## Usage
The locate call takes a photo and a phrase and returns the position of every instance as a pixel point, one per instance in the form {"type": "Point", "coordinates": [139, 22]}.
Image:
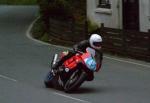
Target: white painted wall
{"type": "Point", "coordinates": [113, 17]}
{"type": "Point", "coordinates": [144, 15]}
{"type": "Point", "coordinates": [110, 17]}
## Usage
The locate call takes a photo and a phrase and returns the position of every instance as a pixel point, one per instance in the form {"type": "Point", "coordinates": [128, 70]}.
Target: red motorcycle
{"type": "Point", "coordinates": [74, 71]}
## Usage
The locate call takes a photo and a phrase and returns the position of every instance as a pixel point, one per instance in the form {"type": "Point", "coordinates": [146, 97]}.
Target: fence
{"type": "Point", "coordinates": [123, 42]}
{"type": "Point", "coordinates": [129, 43]}
{"type": "Point", "coordinates": [67, 30]}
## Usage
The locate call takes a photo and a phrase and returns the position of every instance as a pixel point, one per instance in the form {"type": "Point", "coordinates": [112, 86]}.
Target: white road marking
{"type": "Point", "coordinates": [130, 62]}
{"type": "Point", "coordinates": [29, 35]}
{"type": "Point", "coordinates": [8, 78]}
{"type": "Point", "coordinates": [76, 99]}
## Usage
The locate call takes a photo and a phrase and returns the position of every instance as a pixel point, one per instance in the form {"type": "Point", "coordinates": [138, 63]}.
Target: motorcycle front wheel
{"type": "Point", "coordinates": [75, 81]}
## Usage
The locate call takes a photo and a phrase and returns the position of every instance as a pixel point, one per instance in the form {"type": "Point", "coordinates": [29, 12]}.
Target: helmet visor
{"type": "Point", "coordinates": [97, 44]}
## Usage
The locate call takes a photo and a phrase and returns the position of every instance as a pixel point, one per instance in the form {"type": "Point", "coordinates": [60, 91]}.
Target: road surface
{"type": "Point", "coordinates": [24, 64]}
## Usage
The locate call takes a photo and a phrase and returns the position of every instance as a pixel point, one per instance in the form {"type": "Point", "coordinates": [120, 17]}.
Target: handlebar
{"type": "Point", "coordinates": [80, 52]}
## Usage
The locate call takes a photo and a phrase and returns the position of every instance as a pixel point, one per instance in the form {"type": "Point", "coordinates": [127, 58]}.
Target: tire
{"type": "Point", "coordinates": [48, 80]}
{"type": "Point", "coordinates": [80, 78]}
{"type": "Point", "coordinates": [48, 84]}
{"type": "Point", "coordinates": [53, 83]}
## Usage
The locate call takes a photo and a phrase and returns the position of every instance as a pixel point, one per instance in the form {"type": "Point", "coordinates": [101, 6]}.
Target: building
{"type": "Point", "coordinates": [121, 14]}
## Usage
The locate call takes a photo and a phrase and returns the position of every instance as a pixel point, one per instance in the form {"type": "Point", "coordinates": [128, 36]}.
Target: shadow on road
{"type": "Point", "coordinates": [97, 90]}
{"type": "Point", "coordinates": [86, 90]}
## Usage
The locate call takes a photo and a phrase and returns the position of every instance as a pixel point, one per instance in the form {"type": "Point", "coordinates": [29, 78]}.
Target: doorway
{"type": "Point", "coordinates": [131, 15]}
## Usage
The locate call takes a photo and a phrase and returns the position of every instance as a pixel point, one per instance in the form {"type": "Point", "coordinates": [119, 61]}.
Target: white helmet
{"type": "Point", "coordinates": [95, 41]}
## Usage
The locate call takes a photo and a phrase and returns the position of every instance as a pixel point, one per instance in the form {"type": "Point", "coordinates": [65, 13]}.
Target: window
{"type": "Point", "coordinates": [104, 4]}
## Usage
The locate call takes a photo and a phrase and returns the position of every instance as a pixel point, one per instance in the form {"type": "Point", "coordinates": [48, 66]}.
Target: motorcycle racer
{"type": "Point", "coordinates": [95, 42]}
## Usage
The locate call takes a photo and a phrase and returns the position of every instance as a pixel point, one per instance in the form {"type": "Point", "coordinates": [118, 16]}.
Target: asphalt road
{"type": "Point", "coordinates": [24, 63]}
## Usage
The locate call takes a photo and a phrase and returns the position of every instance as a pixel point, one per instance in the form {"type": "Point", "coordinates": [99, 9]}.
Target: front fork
{"type": "Point", "coordinates": [54, 60]}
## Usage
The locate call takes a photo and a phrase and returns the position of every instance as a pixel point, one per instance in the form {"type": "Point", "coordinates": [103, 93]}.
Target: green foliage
{"type": "Point", "coordinates": [58, 9]}
{"type": "Point", "coordinates": [18, 2]}
{"type": "Point", "coordinates": [64, 9]}
{"type": "Point", "coordinates": [45, 37]}
{"type": "Point", "coordinates": [69, 11]}
{"type": "Point", "coordinates": [38, 29]}
{"type": "Point", "coordinates": [92, 26]}
{"type": "Point", "coordinates": [78, 9]}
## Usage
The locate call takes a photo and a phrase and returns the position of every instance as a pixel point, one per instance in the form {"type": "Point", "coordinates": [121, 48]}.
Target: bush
{"type": "Point", "coordinates": [38, 29]}
{"type": "Point", "coordinates": [45, 37]}
{"type": "Point", "coordinates": [92, 26]}
{"type": "Point", "coordinates": [69, 11]}
{"type": "Point", "coordinates": [18, 2]}
{"type": "Point", "coordinates": [59, 9]}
